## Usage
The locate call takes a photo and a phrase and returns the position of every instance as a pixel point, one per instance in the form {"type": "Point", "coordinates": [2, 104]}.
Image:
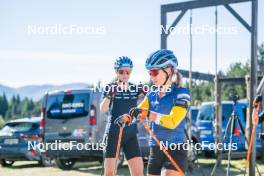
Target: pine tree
{"type": "Point", "coordinates": [4, 105]}
{"type": "Point", "coordinates": [1, 107]}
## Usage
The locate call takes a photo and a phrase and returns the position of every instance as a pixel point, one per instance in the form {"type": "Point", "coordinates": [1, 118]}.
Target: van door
{"type": "Point", "coordinates": [205, 123]}
{"type": "Point", "coordinates": [67, 117]}
{"type": "Point", "coordinates": [227, 110]}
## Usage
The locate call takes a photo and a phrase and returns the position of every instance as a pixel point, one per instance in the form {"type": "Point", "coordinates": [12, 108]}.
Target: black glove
{"type": "Point", "coordinates": [142, 89]}
{"type": "Point", "coordinates": [135, 112]}
{"type": "Point", "coordinates": [123, 120]}
{"type": "Point", "coordinates": [261, 116]}
{"type": "Point", "coordinates": [258, 99]}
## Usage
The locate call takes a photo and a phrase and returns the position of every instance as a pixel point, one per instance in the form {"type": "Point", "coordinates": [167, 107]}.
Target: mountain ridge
{"type": "Point", "coordinates": [35, 92]}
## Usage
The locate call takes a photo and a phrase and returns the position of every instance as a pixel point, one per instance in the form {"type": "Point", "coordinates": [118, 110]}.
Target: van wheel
{"type": "Point", "coordinates": [46, 161]}
{"type": "Point", "coordinates": [193, 153]}
{"type": "Point", "coordinates": [65, 164]}
{"type": "Point", "coordinates": [6, 163]}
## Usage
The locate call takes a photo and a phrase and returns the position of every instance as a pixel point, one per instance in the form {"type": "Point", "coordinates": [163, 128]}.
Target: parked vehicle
{"type": "Point", "coordinates": [194, 129]}
{"type": "Point", "coordinates": [205, 122]}
{"type": "Point", "coordinates": [74, 115]}
{"type": "Point", "coordinates": [195, 136]}
{"type": "Point", "coordinates": [195, 111]}
{"type": "Point", "coordinates": [15, 139]}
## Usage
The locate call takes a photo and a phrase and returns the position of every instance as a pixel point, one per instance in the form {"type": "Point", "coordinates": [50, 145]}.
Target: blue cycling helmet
{"type": "Point", "coordinates": [123, 61]}
{"type": "Point", "coordinates": [161, 59]}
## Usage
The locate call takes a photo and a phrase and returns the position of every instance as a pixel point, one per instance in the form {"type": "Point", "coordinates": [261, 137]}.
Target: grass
{"type": "Point", "coordinates": [94, 168]}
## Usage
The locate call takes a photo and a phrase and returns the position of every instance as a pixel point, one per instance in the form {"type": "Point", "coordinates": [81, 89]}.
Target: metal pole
{"type": "Point", "coordinates": [260, 90]}
{"type": "Point", "coordinates": [190, 81]}
{"type": "Point", "coordinates": [190, 72]}
{"type": "Point", "coordinates": [253, 75]}
{"type": "Point", "coordinates": [216, 28]}
{"type": "Point", "coordinates": [218, 122]}
{"type": "Point", "coordinates": [248, 122]}
{"type": "Point", "coordinates": [163, 36]}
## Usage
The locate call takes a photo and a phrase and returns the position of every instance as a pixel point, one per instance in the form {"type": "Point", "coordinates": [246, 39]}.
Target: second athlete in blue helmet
{"type": "Point", "coordinates": [118, 98]}
{"type": "Point", "coordinates": [166, 110]}
{"type": "Point", "coordinates": [123, 61]}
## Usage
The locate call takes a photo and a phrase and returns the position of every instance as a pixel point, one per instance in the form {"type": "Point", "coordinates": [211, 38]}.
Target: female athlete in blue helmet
{"type": "Point", "coordinates": [118, 98]}
{"type": "Point", "coordinates": [166, 108]}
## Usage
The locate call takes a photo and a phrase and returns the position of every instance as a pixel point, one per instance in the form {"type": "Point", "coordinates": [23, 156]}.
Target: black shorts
{"type": "Point", "coordinates": [129, 145]}
{"type": "Point", "coordinates": [158, 160]}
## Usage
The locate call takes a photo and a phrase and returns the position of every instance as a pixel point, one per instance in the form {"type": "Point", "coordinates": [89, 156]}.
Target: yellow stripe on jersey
{"type": "Point", "coordinates": [144, 104]}
{"type": "Point", "coordinates": [175, 117]}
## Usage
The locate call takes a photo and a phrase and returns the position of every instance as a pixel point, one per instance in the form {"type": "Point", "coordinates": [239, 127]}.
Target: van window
{"type": "Point", "coordinates": [194, 114]}
{"type": "Point", "coordinates": [227, 111]}
{"type": "Point", "coordinates": [244, 110]}
{"type": "Point", "coordinates": [206, 112]}
{"type": "Point", "coordinates": [67, 106]}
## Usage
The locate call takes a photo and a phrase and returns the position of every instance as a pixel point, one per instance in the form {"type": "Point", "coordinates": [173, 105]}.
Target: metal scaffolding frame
{"type": "Point", "coordinates": [183, 7]}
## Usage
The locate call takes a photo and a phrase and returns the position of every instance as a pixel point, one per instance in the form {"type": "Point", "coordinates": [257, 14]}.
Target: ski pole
{"type": "Point", "coordinates": [252, 137]}
{"type": "Point", "coordinates": [163, 149]}
{"type": "Point", "coordinates": [118, 146]}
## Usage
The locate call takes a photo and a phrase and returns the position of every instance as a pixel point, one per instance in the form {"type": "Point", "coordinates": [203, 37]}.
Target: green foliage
{"type": "Point", "coordinates": [235, 70]}
{"type": "Point", "coordinates": [2, 122]}
{"type": "Point", "coordinates": [201, 91]}
{"type": "Point", "coordinates": [3, 105]}
{"type": "Point", "coordinates": [204, 91]}
{"type": "Point", "coordinates": [261, 60]}
{"type": "Point", "coordinates": [17, 108]}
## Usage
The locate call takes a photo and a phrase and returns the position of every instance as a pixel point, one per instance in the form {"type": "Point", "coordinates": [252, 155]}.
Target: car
{"type": "Point", "coordinates": [195, 136]}
{"type": "Point", "coordinates": [17, 139]}
{"type": "Point", "coordinates": [205, 120]}
{"type": "Point", "coordinates": [194, 129]}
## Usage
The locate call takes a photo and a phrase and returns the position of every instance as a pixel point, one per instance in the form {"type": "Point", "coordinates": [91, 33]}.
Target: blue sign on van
{"type": "Point", "coordinates": [55, 112]}
{"type": "Point", "coordinates": [73, 108]}
{"type": "Point", "coordinates": [72, 111]}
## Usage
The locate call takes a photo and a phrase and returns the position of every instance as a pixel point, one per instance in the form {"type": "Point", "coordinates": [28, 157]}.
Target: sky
{"type": "Point", "coordinates": [66, 41]}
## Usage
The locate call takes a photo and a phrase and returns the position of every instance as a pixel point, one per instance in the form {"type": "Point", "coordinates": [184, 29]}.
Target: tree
{"type": "Point", "coordinates": [261, 60]}
{"type": "Point", "coordinates": [237, 69]}
{"type": "Point", "coordinates": [4, 105]}
{"type": "Point", "coordinates": [17, 99]}
{"type": "Point", "coordinates": [18, 108]}
{"type": "Point", "coordinates": [2, 122]}
{"type": "Point", "coordinates": [1, 108]}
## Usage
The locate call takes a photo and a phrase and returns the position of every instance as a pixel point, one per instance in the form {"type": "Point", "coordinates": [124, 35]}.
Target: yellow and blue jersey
{"type": "Point", "coordinates": [171, 110]}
